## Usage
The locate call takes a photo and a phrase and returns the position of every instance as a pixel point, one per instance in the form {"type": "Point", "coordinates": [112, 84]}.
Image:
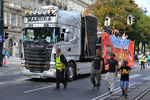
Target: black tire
{"type": "Point", "coordinates": [70, 71]}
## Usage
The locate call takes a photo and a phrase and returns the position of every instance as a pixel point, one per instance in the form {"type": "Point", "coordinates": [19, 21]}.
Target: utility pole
{"type": "Point", "coordinates": [1, 31]}
{"type": "Point", "coordinates": [92, 8]}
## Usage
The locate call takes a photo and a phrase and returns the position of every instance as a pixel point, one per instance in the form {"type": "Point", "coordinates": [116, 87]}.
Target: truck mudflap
{"type": "Point", "coordinates": [51, 73]}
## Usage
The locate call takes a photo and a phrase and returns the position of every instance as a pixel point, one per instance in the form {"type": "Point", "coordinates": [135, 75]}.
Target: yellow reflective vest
{"type": "Point", "coordinates": [58, 62]}
{"type": "Point", "coordinates": [143, 58]}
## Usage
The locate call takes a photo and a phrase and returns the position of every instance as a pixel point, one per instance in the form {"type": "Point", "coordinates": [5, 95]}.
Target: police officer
{"type": "Point", "coordinates": [142, 59]}
{"type": "Point", "coordinates": [60, 68]}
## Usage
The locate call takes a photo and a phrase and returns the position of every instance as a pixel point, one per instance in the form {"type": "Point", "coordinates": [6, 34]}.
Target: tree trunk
{"type": "Point", "coordinates": [138, 48]}
{"type": "Point", "coordinates": [144, 48]}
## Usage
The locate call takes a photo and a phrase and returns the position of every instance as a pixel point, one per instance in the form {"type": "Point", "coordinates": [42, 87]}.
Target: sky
{"type": "Point", "coordinates": [144, 4]}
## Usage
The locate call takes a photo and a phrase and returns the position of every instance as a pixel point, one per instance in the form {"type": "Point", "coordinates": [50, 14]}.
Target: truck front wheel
{"type": "Point", "coordinates": [70, 71]}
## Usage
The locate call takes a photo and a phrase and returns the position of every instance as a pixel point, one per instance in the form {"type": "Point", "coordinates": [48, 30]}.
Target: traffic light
{"type": "Point", "coordinates": [130, 20]}
{"type": "Point", "coordinates": [6, 35]}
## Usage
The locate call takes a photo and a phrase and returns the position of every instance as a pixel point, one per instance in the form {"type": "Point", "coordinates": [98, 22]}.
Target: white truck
{"type": "Point", "coordinates": [46, 30]}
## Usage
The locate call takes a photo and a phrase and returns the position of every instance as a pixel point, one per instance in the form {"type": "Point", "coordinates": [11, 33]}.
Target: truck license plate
{"type": "Point", "coordinates": [35, 76]}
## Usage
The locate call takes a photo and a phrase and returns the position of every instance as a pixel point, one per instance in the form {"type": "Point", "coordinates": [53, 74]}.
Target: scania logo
{"type": "Point", "coordinates": [36, 46]}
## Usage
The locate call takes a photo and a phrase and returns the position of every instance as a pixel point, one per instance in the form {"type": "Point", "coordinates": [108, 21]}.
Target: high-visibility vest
{"type": "Point", "coordinates": [58, 62]}
{"type": "Point", "coordinates": [143, 58]}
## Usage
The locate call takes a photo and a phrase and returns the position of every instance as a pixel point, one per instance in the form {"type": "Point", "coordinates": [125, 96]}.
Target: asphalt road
{"type": "Point", "coordinates": [17, 87]}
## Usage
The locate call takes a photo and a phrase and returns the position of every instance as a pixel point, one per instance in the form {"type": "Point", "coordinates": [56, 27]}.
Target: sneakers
{"type": "Point", "coordinates": [110, 92]}
{"type": "Point", "coordinates": [65, 86]}
{"type": "Point", "coordinates": [56, 88]}
{"type": "Point", "coordinates": [123, 92]}
{"type": "Point", "coordinates": [125, 96]}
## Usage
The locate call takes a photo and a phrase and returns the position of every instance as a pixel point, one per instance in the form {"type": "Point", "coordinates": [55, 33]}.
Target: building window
{"type": "Point", "coordinates": [65, 2]}
{"type": "Point", "coordinates": [22, 21]}
{"type": "Point", "coordinates": [32, 4]}
{"type": "Point", "coordinates": [13, 20]}
{"type": "Point", "coordinates": [12, 1]}
{"type": "Point", "coordinates": [5, 18]}
{"type": "Point", "coordinates": [39, 4]}
{"type": "Point", "coordinates": [23, 5]}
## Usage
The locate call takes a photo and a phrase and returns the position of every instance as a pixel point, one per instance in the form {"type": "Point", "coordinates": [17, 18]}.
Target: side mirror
{"type": "Point", "coordinates": [66, 37]}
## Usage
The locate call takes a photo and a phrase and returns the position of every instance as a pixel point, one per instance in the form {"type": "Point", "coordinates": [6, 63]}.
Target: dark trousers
{"type": "Point", "coordinates": [142, 65]}
{"type": "Point", "coordinates": [60, 78]}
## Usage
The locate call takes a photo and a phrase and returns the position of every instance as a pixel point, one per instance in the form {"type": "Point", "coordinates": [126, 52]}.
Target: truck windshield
{"type": "Point", "coordinates": [49, 35]}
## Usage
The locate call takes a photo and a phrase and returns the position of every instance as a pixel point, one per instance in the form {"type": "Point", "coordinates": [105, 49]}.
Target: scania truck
{"type": "Point", "coordinates": [46, 30]}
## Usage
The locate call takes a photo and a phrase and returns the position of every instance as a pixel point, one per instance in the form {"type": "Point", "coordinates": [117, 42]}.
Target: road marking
{"type": "Point", "coordinates": [13, 81]}
{"type": "Point", "coordinates": [114, 92]}
{"type": "Point", "coordinates": [146, 78]}
{"type": "Point", "coordinates": [106, 95]}
{"type": "Point", "coordinates": [134, 75]}
{"type": "Point", "coordinates": [33, 90]}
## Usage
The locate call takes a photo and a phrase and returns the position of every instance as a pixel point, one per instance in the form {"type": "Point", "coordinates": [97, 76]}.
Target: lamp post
{"type": "Point", "coordinates": [1, 31]}
{"type": "Point", "coordinates": [92, 8]}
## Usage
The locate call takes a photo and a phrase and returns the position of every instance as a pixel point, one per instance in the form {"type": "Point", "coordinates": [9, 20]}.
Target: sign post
{"type": "Point", "coordinates": [1, 31]}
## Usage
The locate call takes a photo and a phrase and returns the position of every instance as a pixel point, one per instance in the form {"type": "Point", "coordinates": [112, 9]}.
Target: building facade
{"type": "Point", "coordinates": [14, 11]}
{"type": "Point", "coordinates": [79, 5]}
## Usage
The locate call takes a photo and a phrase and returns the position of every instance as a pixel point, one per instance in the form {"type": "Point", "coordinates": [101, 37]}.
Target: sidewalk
{"type": "Point", "coordinates": [13, 67]}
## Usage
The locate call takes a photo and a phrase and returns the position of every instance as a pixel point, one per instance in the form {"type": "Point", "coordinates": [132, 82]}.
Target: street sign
{"type": "Point", "coordinates": [4, 39]}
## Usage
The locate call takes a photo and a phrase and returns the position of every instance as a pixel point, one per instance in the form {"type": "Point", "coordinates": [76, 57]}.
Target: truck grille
{"type": "Point", "coordinates": [37, 60]}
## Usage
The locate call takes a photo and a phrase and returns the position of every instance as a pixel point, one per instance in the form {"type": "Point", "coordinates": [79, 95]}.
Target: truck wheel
{"type": "Point", "coordinates": [70, 71]}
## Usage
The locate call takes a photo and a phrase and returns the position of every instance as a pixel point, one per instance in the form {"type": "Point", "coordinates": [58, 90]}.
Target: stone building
{"type": "Point", "coordinates": [14, 11]}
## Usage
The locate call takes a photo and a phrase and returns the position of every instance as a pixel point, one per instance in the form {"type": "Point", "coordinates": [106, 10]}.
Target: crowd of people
{"type": "Point", "coordinates": [114, 32]}
{"type": "Point", "coordinates": [143, 60]}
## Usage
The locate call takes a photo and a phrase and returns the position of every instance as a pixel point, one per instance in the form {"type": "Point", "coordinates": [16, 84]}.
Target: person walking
{"type": "Point", "coordinates": [142, 59]}
{"type": "Point", "coordinates": [96, 69]}
{"type": "Point", "coordinates": [124, 80]}
{"type": "Point", "coordinates": [148, 60]}
{"type": "Point", "coordinates": [6, 56]}
{"type": "Point", "coordinates": [112, 72]}
{"type": "Point", "coordinates": [60, 69]}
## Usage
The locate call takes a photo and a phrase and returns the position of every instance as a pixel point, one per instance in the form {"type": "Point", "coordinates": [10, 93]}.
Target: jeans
{"type": "Point", "coordinates": [148, 62]}
{"type": "Point", "coordinates": [60, 78]}
{"type": "Point", "coordinates": [95, 73]}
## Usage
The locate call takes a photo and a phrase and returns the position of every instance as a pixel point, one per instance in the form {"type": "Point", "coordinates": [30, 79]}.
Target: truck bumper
{"type": "Point", "coordinates": [51, 73]}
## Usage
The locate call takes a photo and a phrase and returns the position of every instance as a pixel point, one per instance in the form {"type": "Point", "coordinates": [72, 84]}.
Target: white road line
{"type": "Point", "coordinates": [107, 93]}
{"type": "Point", "coordinates": [39, 89]}
{"type": "Point", "coordinates": [146, 78]}
{"type": "Point", "coordinates": [13, 81]}
{"type": "Point", "coordinates": [114, 92]}
{"type": "Point", "coordinates": [135, 75]}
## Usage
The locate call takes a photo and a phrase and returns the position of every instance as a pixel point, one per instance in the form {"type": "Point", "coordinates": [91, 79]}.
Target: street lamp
{"type": "Point", "coordinates": [92, 8]}
{"type": "Point", "coordinates": [1, 31]}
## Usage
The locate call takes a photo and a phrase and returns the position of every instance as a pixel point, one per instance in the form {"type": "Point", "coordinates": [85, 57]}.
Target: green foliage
{"type": "Point", "coordinates": [118, 10]}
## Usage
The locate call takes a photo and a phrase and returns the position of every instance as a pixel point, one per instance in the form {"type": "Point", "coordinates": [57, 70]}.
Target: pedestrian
{"type": "Point", "coordinates": [60, 69]}
{"type": "Point", "coordinates": [148, 60]}
{"type": "Point", "coordinates": [96, 69]}
{"type": "Point", "coordinates": [6, 56]}
{"type": "Point", "coordinates": [112, 72]}
{"type": "Point", "coordinates": [124, 80]}
{"type": "Point", "coordinates": [142, 59]}
{"type": "Point", "coordinates": [114, 31]}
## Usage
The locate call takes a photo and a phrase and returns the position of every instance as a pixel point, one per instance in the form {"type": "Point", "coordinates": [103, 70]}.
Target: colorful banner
{"type": "Point", "coordinates": [122, 48]}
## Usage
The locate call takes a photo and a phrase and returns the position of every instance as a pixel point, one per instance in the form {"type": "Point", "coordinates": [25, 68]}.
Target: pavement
{"type": "Point", "coordinates": [136, 91]}
{"type": "Point", "coordinates": [14, 64]}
